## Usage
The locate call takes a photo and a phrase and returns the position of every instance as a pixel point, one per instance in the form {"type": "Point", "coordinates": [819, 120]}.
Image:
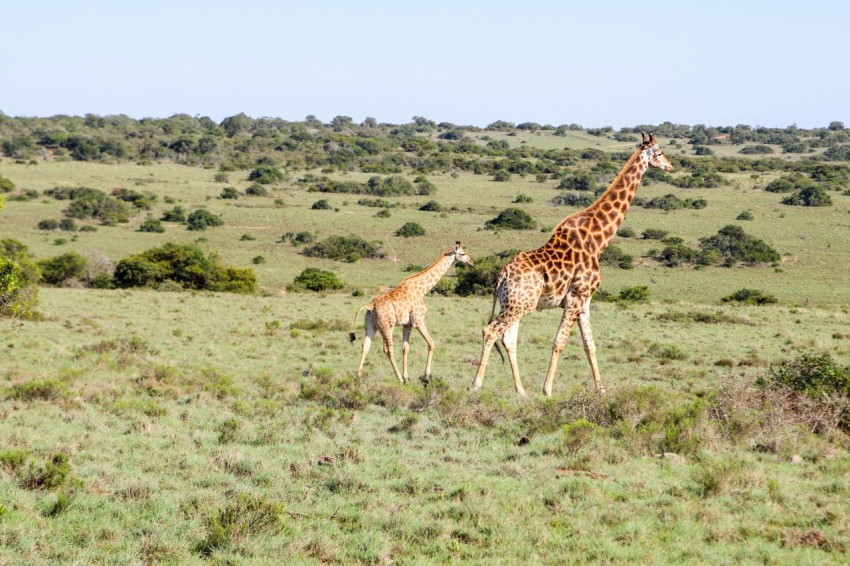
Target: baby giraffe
{"type": "Point", "coordinates": [405, 306]}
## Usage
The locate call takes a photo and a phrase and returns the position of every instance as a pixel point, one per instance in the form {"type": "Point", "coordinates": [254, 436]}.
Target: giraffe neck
{"type": "Point", "coordinates": [609, 210]}
{"type": "Point", "coordinates": [430, 276]}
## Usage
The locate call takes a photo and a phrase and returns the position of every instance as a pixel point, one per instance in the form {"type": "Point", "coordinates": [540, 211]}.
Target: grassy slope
{"type": "Point", "coordinates": [150, 463]}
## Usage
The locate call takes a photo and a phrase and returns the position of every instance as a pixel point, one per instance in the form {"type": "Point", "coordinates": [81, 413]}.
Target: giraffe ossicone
{"type": "Point", "coordinates": [564, 273]}
{"type": "Point", "coordinates": [405, 306]}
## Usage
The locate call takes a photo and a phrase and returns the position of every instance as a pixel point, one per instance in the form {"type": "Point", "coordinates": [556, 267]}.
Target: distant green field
{"type": "Point", "coordinates": [146, 427]}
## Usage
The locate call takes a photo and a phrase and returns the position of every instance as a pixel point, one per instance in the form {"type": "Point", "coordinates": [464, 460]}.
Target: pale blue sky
{"type": "Point", "coordinates": [595, 63]}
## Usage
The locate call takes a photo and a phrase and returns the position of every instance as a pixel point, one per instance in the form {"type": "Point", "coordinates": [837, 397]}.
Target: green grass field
{"type": "Point", "coordinates": [198, 427]}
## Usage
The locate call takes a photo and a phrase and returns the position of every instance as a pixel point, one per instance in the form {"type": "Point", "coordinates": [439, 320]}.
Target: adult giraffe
{"type": "Point", "coordinates": [565, 272]}
{"type": "Point", "coordinates": [405, 306]}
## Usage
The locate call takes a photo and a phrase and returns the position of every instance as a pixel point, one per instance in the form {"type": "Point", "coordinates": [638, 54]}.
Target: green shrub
{"type": "Point", "coordinates": [502, 176]}
{"type": "Point", "coordinates": [756, 149]}
{"type": "Point", "coordinates": [203, 218]}
{"type": "Point", "coordinates": [480, 279]}
{"type": "Point", "coordinates": [13, 460]}
{"type": "Point", "coordinates": [186, 265]}
{"type": "Point", "coordinates": [675, 255]}
{"type": "Point", "coordinates": [249, 516]}
{"type": "Point", "coordinates": [615, 256]}
{"type": "Point", "coordinates": [712, 477]}
{"type": "Point", "coordinates": [811, 196]}
{"type": "Point", "coordinates": [229, 193]}
{"type": "Point", "coordinates": [626, 232]}
{"type": "Point", "coordinates": [266, 175]}
{"type": "Point", "coordinates": [348, 248]}
{"type": "Point", "coordinates": [48, 224]}
{"type": "Point", "coordinates": [750, 297]}
{"type": "Point", "coordinates": [322, 204]}
{"type": "Point", "coordinates": [432, 206]}
{"type": "Point", "coordinates": [19, 277]}
{"type": "Point", "coordinates": [6, 185]}
{"type": "Point", "coordinates": [637, 294]}
{"type": "Point", "coordinates": [383, 213]}
{"type": "Point", "coordinates": [813, 374]}
{"type": "Point", "coordinates": [512, 219]}
{"type": "Point", "coordinates": [48, 476]}
{"type": "Point", "coordinates": [256, 190]}
{"type": "Point", "coordinates": [672, 202]}
{"type": "Point", "coordinates": [522, 199]}
{"type": "Point", "coordinates": [91, 203]}
{"type": "Point", "coordinates": [654, 234]}
{"type": "Point", "coordinates": [574, 199]}
{"type": "Point", "coordinates": [734, 245]}
{"type": "Point", "coordinates": [61, 268]}
{"type": "Point", "coordinates": [176, 214]}
{"type": "Point", "coordinates": [745, 215]}
{"type": "Point", "coordinates": [788, 183]}
{"type": "Point", "coordinates": [381, 203]}
{"type": "Point", "coordinates": [666, 352]}
{"type": "Point", "coordinates": [228, 430]}
{"type": "Point", "coordinates": [315, 279]}
{"type": "Point", "coordinates": [410, 230]}
{"type": "Point", "coordinates": [62, 503]}
{"type": "Point", "coordinates": [152, 225]}
{"type": "Point", "coordinates": [581, 181]}
{"type": "Point", "coordinates": [577, 434]}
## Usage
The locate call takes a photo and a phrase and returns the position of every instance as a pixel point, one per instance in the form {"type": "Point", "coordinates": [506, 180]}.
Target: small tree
{"type": "Point", "coordinates": [512, 219]}
{"type": "Point", "coordinates": [750, 297]}
{"type": "Point", "coordinates": [19, 276]}
{"type": "Point", "coordinates": [810, 196]}
{"type": "Point", "coordinates": [229, 193]}
{"type": "Point", "coordinates": [410, 230]}
{"type": "Point", "coordinates": [59, 269]}
{"type": "Point", "coordinates": [266, 175]}
{"type": "Point", "coordinates": [202, 218]}
{"type": "Point", "coordinates": [256, 190]}
{"type": "Point", "coordinates": [176, 214]}
{"type": "Point", "coordinates": [322, 204]}
{"type": "Point", "coordinates": [314, 279]}
{"type": "Point", "coordinates": [151, 225]}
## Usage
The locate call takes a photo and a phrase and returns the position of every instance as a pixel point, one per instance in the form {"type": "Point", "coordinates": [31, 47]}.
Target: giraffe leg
{"type": "Point", "coordinates": [510, 342]}
{"type": "Point", "coordinates": [423, 330]}
{"type": "Point", "coordinates": [492, 332]}
{"type": "Point", "coordinates": [405, 348]}
{"type": "Point", "coordinates": [367, 340]}
{"type": "Point", "coordinates": [388, 350]}
{"type": "Point", "coordinates": [590, 346]}
{"type": "Point", "coordinates": [571, 314]}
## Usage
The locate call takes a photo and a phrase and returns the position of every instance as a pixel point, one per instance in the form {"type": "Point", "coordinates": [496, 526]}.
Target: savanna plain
{"type": "Point", "coordinates": [169, 425]}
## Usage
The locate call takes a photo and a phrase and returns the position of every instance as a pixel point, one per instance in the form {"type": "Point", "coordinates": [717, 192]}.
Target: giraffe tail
{"type": "Point", "coordinates": [351, 335]}
{"type": "Point", "coordinates": [492, 315]}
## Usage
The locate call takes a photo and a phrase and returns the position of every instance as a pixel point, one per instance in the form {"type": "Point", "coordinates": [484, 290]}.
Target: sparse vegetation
{"type": "Point", "coordinates": [201, 427]}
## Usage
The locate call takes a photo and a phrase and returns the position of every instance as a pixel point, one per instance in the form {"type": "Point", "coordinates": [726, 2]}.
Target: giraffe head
{"type": "Point", "coordinates": [459, 254]}
{"type": "Point", "coordinates": [655, 155]}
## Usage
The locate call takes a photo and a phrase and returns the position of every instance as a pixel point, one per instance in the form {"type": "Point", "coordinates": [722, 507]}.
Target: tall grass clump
{"type": "Point", "coordinates": [248, 516]}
